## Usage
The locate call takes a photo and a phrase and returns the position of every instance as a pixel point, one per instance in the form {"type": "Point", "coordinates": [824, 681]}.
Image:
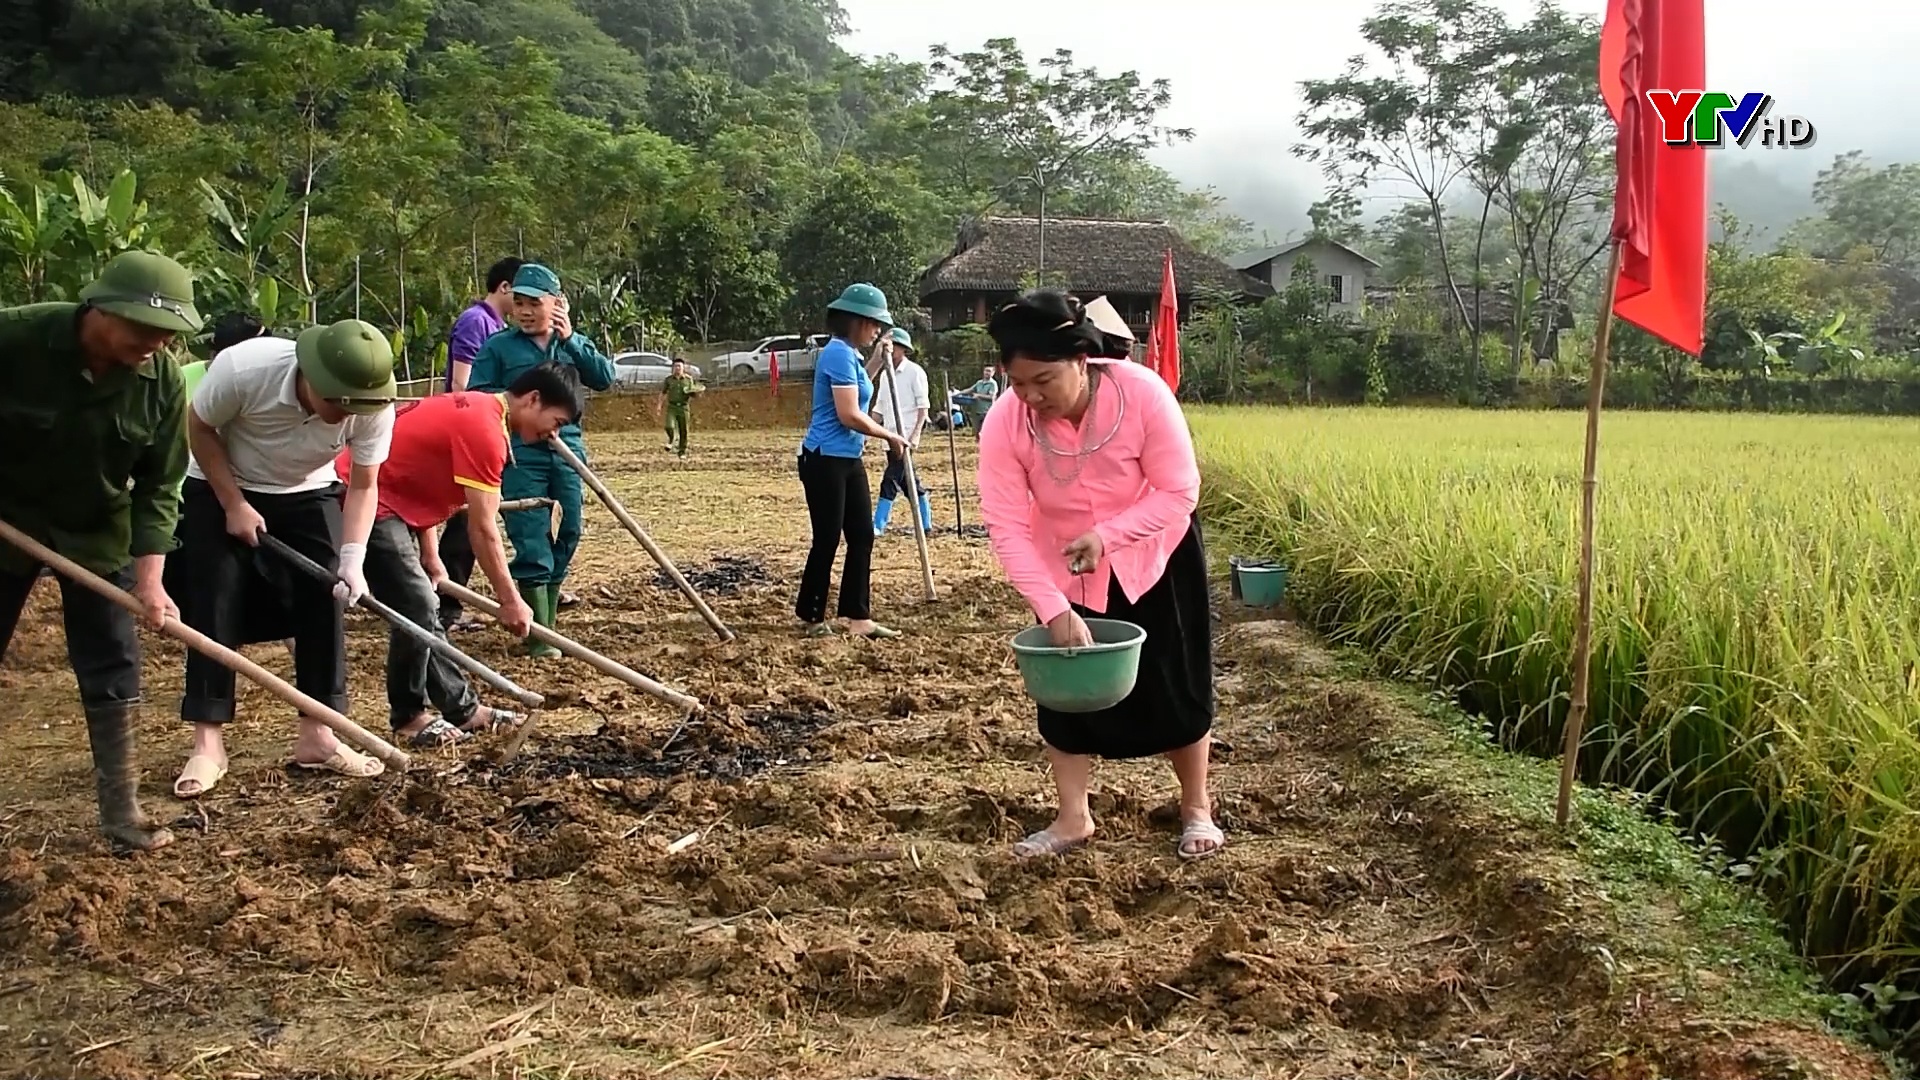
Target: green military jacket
{"type": "Point", "coordinates": [680, 390]}
{"type": "Point", "coordinates": [91, 468]}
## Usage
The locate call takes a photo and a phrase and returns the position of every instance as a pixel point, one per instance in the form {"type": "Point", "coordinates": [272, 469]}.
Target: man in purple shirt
{"type": "Point", "coordinates": [485, 318]}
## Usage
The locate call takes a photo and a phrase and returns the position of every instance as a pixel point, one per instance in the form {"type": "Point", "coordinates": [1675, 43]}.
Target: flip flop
{"type": "Point", "coordinates": [1046, 842]}
{"type": "Point", "coordinates": [820, 630]}
{"type": "Point", "coordinates": [1199, 831]}
{"type": "Point", "coordinates": [439, 732]}
{"type": "Point", "coordinates": [881, 633]}
{"type": "Point", "coordinates": [200, 769]}
{"type": "Point", "coordinates": [497, 719]}
{"type": "Point", "coordinates": [346, 762]}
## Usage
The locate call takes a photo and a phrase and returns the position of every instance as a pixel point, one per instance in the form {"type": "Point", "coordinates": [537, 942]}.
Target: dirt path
{"type": "Point", "coordinates": [849, 910]}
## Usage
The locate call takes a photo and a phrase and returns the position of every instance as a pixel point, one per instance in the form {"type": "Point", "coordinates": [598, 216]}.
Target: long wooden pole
{"type": "Point", "coordinates": [366, 740]}
{"type": "Point", "coordinates": [640, 534]}
{"type": "Point", "coordinates": [509, 506]}
{"type": "Point", "coordinates": [913, 482]}
{"type": "Point", "coordinates": [1589, 483]}
{"type": "Point", "coordinates": [579, 652]}
{"type": "Point", "coordinates": [953, 454]}
{"type": "Point", "coordinates": [427, 639]}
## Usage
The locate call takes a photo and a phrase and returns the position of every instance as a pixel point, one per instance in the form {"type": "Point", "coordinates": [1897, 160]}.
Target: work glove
{"type": "Point", "coordinates": [353, 579]}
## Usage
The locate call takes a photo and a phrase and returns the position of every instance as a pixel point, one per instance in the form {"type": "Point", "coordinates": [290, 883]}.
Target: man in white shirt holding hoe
{"type": "Point", "coordinates": [909, 420]}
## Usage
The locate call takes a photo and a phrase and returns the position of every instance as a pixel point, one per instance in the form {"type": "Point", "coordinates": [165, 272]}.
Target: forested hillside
{"type": "Point", "coordinates": [704, 166]}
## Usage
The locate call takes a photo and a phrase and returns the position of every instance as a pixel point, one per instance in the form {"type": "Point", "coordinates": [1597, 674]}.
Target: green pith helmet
{"type": "Point", "coordinates": [349, 364]}
{"type": "Point", "coordinates": [150, 289]}
{"type": "Point", "coordinates": [902, 338]}
{"type": "Point", "coordinates": [863, 300]}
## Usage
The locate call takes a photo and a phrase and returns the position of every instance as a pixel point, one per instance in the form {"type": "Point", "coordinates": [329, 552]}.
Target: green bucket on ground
{"type": "Point", "coordinates": [1260, 583]}
{"type": "Point", "coordinates": [1082, 680]}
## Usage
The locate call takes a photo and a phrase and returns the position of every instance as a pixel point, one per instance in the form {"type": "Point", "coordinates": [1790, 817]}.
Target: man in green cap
{"type": "Point", "coordinates": [91, 455]}
{"type": "Point", "coordinates": [677, 392]}
{"type": "Point", "coordinates": [265, 425]}
{"type": "Point", "coordinates": [542, 331]}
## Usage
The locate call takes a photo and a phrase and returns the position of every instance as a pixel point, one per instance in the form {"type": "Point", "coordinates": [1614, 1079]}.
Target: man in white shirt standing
{"type": "Point", "coordinates": [909, 420]}
{"type": "Point", "coordinates": [264, 427]}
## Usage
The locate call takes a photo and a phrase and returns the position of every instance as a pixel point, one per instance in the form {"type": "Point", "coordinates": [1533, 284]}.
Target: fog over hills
{"type": "Point", "coordinates": [1236, 66]}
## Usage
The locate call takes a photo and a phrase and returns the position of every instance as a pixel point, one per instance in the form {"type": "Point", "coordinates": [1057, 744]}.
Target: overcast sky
{"type": "Point", "coordinates": [1847, 65]}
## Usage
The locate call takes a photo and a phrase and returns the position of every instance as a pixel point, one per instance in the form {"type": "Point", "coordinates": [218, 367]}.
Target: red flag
{"type": "Point", "coordinates": [1660, 194]}
{"type": "Point", "coordinates": [1163, 339]}
{"type": "Point", "coordinates": [773, 372]}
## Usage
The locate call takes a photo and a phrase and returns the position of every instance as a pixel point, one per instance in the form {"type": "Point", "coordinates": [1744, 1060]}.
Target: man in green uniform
{"type": "Point", "coordinates": [542, 331]}
{"type": "Point", "coordinates": [93, 447]}
{"type": "Point", "coordinates": [678, 391]}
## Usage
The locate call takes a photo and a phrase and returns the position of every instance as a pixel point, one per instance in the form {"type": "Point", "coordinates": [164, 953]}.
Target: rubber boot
{"type": "Point", "coordinates": [116, 781]}
{"type": "Point", "coordinates": [540, 599]}
{"type": "Point", "coordinates": [926, 513]}
{"type": "Point", "coordinates": [882, 512]}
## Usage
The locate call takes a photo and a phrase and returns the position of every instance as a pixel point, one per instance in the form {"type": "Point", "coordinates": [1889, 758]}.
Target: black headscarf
{"type": "Point", "coordinates": [1047, 324]}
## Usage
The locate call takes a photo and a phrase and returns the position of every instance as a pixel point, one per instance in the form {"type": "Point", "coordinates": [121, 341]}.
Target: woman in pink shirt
{"type": "Point", "coordinates": [1086, 464]}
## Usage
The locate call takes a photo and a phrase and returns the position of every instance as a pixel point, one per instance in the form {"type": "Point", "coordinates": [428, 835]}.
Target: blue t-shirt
{"type": "Point", "coordinates": [839, 365]}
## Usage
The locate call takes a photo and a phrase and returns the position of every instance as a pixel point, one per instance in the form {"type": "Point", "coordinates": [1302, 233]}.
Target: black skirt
{"type": "Point", "coordinates": [1172, 702]}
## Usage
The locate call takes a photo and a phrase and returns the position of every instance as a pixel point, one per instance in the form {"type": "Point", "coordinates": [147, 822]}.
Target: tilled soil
{"type": "Point", "coordinates": [812, 880]}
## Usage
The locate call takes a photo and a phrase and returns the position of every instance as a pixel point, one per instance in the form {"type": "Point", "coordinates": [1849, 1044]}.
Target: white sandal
{"type": "Point", "coordinates": [1202, 829]}
{"type": "Point", "coordinates": [346, 762]}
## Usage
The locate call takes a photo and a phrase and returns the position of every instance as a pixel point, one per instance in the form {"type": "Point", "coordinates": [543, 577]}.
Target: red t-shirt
{"type": "Point", "coordinates": [442, 446]}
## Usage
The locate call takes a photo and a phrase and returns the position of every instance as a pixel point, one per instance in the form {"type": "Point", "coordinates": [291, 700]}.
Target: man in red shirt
{"type": "Point", "coordinates": [448, 452]}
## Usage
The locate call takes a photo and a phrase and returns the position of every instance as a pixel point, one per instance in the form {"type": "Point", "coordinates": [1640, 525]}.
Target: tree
{"type": "Point", "coordinates": [853, 232]}
{"type": "Point", "coordinates": [1004, 132]}
{"type": "Point", "coordinates": [1404, 125]}
{"type": "Point", "coordinates": [1875, 210]}
{"type": "Point", "coordinates": [700, 268]}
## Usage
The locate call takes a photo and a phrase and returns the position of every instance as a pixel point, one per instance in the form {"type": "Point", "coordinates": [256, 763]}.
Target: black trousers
{"type": "Point", "coordinates": [237, 595]}
{"type": "Point", "coordinates": [102, 643]}
{"type": "Point", "coordinates": [415, 673]}
{"type": "Point", "coordinates": [893, 482]}
{"type": "Point", "coordinates": [456, 554]}
{"type": "Point", "coordinates": [839, 505]}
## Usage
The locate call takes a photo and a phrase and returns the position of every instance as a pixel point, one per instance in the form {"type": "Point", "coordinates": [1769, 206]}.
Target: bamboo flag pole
{"type": "Point", "coordinates": [913, 482]}
{"type": "Point", "coordinates": [342, 726]}
{"type": "Point", "coordinates": [1589, 482]}
{"type": "Point", "coordinates": [620, 514]}
{"type": "Point", "coordinates": [953, 455]}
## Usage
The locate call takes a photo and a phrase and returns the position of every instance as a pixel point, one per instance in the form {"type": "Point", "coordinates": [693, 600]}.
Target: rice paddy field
{"type": "Point", "coordinates": [1756, 616]}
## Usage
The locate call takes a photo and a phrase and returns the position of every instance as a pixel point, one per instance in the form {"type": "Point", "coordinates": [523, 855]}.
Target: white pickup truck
{"type": "Point", "coordinates": [795, 352]}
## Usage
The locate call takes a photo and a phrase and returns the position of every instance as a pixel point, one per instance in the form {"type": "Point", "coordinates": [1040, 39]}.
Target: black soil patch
{"type": "Point", "coordinates": [725, 575]}
{"type": "Point", "coordinates": [721, 748]}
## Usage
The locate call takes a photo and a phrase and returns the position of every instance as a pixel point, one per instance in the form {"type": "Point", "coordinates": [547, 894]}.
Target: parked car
{"type": "Point", "coordinates": [796, 354]}
{"type": "Point", "coordinates": [645, 369]}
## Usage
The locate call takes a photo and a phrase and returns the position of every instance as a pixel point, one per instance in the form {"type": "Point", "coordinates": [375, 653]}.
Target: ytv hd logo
{"type": "Point", "coordinates": [1712, 118]}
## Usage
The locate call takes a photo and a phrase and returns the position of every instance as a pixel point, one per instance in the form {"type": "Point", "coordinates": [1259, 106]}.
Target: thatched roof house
{"type": "Point", "coordinates": [994, 257]}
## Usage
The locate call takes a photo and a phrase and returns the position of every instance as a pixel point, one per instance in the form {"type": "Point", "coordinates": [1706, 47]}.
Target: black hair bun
{"type": "Point", "coordinates": [1045, 324]}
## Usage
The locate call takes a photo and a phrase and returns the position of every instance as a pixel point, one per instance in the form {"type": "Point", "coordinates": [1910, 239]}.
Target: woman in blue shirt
{"type": "Point", "coordinates": [839, 503]}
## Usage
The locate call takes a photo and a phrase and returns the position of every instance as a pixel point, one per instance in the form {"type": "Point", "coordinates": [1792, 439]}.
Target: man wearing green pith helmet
{"type": "Point", "coordinates": [264, 427]}
{"type": "Point", "coordinates": [542, 331]}
{"type": "Point", "coordinates": [91, 456]}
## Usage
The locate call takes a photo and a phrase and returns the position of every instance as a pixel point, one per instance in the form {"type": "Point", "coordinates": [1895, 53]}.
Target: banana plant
{"type": "Point", "coordinates": [33, 236]}
{"type": "Point", "coordinates": [250, 232]}
{"type": "Point", "coordinates": [111, 223]}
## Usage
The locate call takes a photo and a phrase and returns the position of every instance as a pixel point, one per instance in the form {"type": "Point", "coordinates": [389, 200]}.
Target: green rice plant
{"type": "Point", "coordinates": [1756, 613]}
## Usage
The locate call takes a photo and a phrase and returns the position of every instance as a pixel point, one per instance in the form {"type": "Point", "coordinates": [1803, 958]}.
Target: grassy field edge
{"type": "Point", "coordinates": [1654, 920]}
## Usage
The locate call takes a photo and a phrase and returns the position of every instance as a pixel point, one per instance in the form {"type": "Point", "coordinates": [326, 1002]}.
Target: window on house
{"type": "Point", "coordinates": [1337, 286]}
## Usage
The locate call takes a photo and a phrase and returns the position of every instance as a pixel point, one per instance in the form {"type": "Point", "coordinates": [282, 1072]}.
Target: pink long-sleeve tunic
{"type": "Point", "coordinates": [1137, 492]}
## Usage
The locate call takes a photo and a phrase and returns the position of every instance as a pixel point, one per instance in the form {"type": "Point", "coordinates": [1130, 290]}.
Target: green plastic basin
{"type": "Point", "coordinates": [1082, 680]}
{"type": "Point", "coordinates": [1260, 586]}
